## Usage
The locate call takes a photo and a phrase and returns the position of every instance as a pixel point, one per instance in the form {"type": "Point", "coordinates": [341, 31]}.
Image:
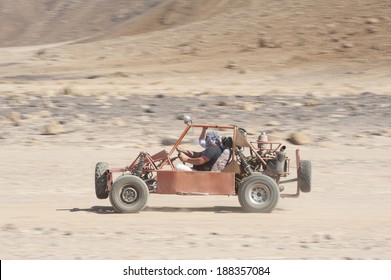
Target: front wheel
{"type": "Point", "coordinates": [258, 194]}
{"type": "Point", "coordinates": [101, 176]}
{"type": "Point", "coordinates": [129, 194]}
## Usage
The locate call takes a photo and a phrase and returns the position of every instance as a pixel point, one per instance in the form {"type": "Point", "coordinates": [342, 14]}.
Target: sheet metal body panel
{"type": "Point", "coordinates": [195, 182]}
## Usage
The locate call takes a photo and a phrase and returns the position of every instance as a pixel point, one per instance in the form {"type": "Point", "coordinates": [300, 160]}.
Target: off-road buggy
{"type": "Point", "coordinates": [253, 172]}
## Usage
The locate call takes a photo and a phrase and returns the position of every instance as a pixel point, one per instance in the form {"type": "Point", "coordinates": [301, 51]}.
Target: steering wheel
{"type": "Point", "coordinates": [175, 158]}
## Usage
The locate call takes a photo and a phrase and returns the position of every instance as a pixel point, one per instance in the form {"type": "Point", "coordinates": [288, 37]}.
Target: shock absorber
{"type": "Point", "coordinates": [140, 164]}
{"type": "Point", "coordinates": [244, 162]}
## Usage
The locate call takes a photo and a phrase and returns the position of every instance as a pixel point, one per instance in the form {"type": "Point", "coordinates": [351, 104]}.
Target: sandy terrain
{"type": "Point", "coordinates": [52, 212]}
{"type": "Point", "coordinates": [92, 89]}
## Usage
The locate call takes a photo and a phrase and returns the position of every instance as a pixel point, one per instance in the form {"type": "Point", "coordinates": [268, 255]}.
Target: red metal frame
{"type": "Point", "coordinates": [171, 181]}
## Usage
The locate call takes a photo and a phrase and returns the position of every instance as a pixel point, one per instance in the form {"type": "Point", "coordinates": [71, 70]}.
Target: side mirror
{"type": "Point", "coordinates": [187, 119]}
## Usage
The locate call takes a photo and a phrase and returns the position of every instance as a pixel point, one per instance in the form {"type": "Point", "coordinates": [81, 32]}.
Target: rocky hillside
{"type": "Point", "coordinates": [39, 22]}
{"type": "Point", "coordinates": [317, 27]}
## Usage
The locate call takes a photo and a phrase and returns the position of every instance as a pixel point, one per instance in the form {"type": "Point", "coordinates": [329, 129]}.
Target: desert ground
{"type": "Point", "coordinates": [89, 81]}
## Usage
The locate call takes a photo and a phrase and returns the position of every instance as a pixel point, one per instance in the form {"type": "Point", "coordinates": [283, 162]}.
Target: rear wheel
{"type": "Point", "coordinates": [304, 176]}
{"type": "Point", "coordinates": [258, 194]}
{"type": "Point", "coordinates": [101, 175]}
{"type": "Point", "coordinates": [129, 194]}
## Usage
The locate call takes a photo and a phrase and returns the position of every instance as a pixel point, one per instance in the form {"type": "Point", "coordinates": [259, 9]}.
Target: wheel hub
{"type": "Point", "coordinates": [258, 194]}
{"type": "Point", "coordinates": [129, 195]}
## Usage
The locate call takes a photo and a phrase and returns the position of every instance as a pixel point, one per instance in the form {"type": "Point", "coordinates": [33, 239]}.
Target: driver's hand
{"type": "Point", "coordinates": [183, 157]}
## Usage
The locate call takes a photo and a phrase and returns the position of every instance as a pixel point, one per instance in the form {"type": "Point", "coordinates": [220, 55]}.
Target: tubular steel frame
{"type": "Point", "coordinates": [156, 162]}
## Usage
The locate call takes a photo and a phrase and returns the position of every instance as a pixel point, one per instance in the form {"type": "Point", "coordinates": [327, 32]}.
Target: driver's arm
{"type": "Point", "coordinates": [188, 153]}
{"type": "Point", "coordinates": [203, 132]}
{"type": "Point", "coordinates": [194, 161]}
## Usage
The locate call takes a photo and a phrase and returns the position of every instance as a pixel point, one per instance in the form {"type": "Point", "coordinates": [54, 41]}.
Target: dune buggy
{"type": "Point", "coordinates": [253, 172]}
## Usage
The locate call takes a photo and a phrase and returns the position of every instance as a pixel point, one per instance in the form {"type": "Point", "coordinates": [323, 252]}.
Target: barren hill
{"type": "Point", "coordinates": [111, 39]}
{"type": "Point", "coordinates": [318, 25]}
{"type": "Point", "coordinates": [40, 22]}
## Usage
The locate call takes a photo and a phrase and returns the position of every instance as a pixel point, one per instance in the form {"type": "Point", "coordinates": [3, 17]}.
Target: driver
{"type": "Point", "coordinates": [201, 161]}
